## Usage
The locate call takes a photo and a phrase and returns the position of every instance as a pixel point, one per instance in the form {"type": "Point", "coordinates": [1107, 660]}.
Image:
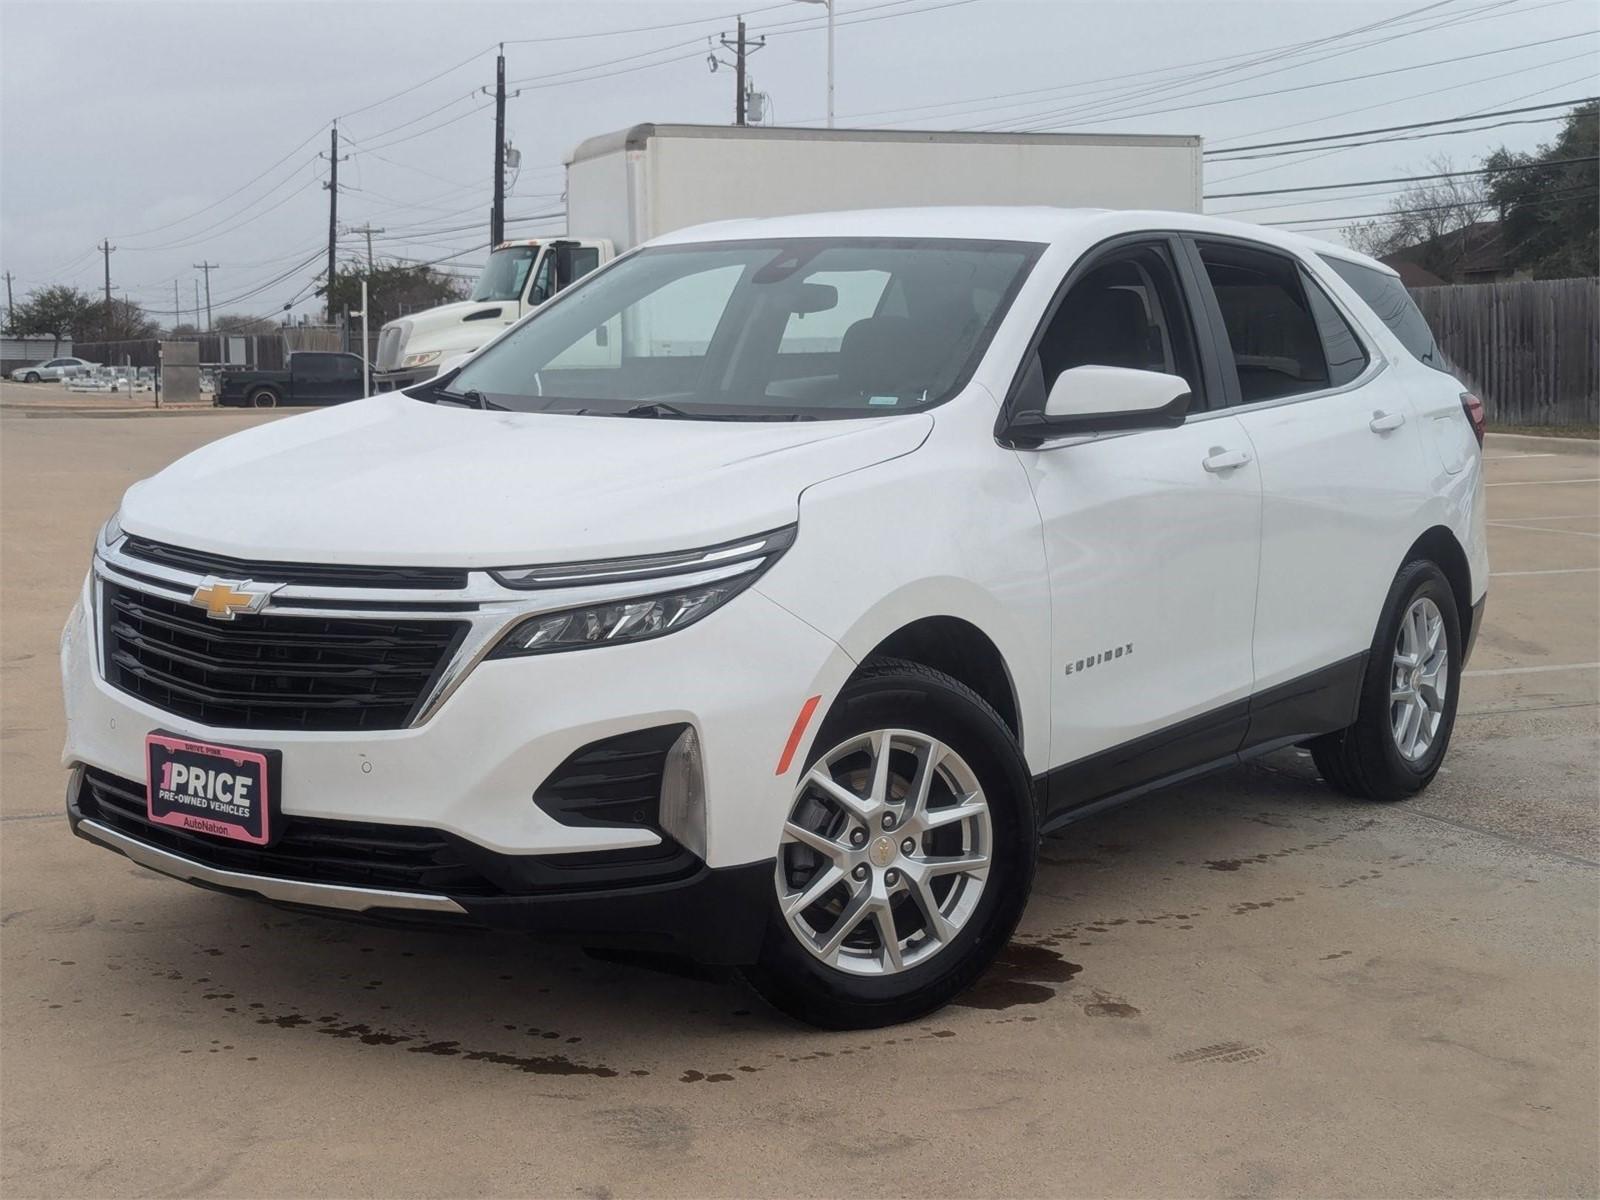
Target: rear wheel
{"type": "Point", "coordinates": [264, 398]}
{"type": "Point", "coordinates": [1408, 699]}
{"type": "Point", "coordinates": [907, 856]}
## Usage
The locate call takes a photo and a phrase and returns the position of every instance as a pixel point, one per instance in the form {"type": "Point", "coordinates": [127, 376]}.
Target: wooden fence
{"type": "Point", "coordinates": [1530, 350]}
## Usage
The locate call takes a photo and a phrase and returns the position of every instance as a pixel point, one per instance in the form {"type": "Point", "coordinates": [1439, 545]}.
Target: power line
{"type": "Point", "coordinates": [1339, 137]}
{"type": "Point", "coordinates": [1340, 222]}
{"type": "Point", "coordinates": [1322, 187]}
{"type": "Point", "coordinates": [1186, 107]}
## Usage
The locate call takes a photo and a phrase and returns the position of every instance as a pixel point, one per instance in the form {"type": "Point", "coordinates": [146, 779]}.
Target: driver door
{"type": "Point", "coordinates": [1152, 541]}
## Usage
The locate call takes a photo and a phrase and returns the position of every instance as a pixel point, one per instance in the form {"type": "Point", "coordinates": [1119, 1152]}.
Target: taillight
{"type": "Point", "coordinates": [1473, 407]}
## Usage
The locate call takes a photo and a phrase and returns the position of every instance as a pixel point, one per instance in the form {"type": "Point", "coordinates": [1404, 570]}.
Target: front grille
{"type": "Point", "coordinates": [391, 340]}
{"type": "Point", "coordinates": [272, 672]}
{"type": "Point", "coordinates": [202, 562]}
{"type": "Point", "coordinates": [309, 849]}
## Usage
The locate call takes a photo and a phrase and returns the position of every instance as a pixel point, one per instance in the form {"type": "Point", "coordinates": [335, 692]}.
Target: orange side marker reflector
{"type": "Point", "coordinates": [795, 734]}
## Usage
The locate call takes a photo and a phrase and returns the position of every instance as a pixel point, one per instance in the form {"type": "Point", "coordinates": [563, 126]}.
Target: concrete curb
{"type": "Point", "coordinates": [1556, 445]}
{"type": "Point", "coordinates": [56, 414]}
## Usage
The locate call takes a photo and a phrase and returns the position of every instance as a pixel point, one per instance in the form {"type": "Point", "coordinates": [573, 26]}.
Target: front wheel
{"type": "Point", "coordinates": [907, 856]}
{"type": "Point", "coordinates": [1408, 699]}
{"type": "Point", "coordinates": [31, 377]}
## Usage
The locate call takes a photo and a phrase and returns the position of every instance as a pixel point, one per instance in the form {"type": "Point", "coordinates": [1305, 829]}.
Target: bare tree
{"type": "Point", "coordinates": [1433, 223]}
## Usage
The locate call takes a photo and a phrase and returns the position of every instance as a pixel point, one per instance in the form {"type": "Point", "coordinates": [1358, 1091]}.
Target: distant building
{"type": "Point", "coordinates": [26, 351]}
{"type": "Point", "coordinates": [1472, 254]}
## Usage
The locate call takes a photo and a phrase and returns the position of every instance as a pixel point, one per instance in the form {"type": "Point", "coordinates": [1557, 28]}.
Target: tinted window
{"type": "Point", "coordinates": [343, 367]}
{"type": "Point", "coordinates": [1387, 297]}
{"type": "Point", "coordinates": [1276, 346]}
{"type": "Point", "coordinates": [1127, 311]}
{"type": "Point", "coordinates": [1345, 355]}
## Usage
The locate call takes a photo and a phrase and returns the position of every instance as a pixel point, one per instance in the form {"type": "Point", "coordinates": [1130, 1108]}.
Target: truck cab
{"type": "Point", "coordinates": [518, 277]}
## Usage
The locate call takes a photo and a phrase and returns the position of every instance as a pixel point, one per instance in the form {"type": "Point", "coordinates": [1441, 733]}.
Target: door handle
{"type": "Point", "coordinates": [1224, 460]}
{"type": "Point", "coordinates": [1383, 422]}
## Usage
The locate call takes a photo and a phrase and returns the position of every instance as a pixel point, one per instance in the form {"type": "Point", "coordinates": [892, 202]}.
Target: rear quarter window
{"type": "Point", "coordinates": [1387, 297]}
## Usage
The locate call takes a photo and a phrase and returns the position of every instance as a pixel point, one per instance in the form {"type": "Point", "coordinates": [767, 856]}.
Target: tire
{"type": "Point", "coordinates": [865, 984]}
{"type": "Point", "coordinates": [264, 398]}
{"type": "Point", "coordinates": [31, 377]}
{"type": "Point", "coordinates": [1367, 759]}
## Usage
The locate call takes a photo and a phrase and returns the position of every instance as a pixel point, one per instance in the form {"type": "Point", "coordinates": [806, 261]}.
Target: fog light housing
{"type": "Point", "coordinates": [683, 794]}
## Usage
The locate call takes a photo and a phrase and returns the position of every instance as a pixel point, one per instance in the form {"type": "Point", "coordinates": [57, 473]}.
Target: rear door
{"type": "Point", "coordinates": [1151, 540]}
{"type": "Point", "coordinates": [1339, 460]}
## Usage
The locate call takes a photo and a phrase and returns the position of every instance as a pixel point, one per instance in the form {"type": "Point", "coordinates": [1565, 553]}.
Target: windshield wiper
{"type": "Point", "coordinates": [654, 408]}
{"type": "Point", "coordinates": [471, 397]}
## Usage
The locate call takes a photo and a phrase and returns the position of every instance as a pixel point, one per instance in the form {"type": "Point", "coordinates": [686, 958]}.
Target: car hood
{"type": "Point", "coordinates": [396, 481]}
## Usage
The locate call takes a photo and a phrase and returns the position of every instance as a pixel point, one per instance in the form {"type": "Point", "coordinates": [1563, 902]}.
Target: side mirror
{"type": "Point", "coordinates": [1094, 399]}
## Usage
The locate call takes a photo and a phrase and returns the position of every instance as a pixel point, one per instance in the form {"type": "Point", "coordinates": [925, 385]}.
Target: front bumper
{"type": "Point", "coordinates": [711, 915]}
{"type": "Point", "coordinates": [471, 765]}
{"type": "Point", "coordinates": [401, 378]}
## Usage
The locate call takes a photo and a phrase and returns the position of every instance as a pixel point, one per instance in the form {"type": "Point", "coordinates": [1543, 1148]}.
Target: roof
{"type": "Point", "coordinates": [1039, 224]}
{"type": "Point", "coordinates": [635, 137]}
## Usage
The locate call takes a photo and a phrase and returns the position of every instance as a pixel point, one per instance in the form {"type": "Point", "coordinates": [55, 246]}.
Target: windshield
{"type": "Point", "coordinates": [505, 274]}
{"type": "Point", "coordinates": [760, 330]}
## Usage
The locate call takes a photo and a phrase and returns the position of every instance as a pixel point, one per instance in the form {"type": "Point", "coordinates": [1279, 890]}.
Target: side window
{"type": "Point", "coordinates": [1127, 311]}
{"type": "Point", "coordinates": [1345, 355]}
{"type": "Point", "coordinates": [584, 260]}
{"type": "Point", "coordinates": [1387, 297]}
{"type": "Point", "coordinates": [344, 367]}
{"type": "Point", "coordinates": [1276, 345]}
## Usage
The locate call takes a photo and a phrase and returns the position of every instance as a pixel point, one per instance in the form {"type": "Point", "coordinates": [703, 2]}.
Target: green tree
{"type": "Point", "coordinates": [393, 289]}
{"type": "Point", "coordinates": [1549, 205]}
{"type": "Point", "coordinates": [59, 312]}
{"type": "Point", "coordinates": [241, 323]}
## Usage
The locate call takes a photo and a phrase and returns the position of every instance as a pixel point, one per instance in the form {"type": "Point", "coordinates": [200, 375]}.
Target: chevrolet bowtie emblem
{"type": "Point", "coordinates": [223, 600]}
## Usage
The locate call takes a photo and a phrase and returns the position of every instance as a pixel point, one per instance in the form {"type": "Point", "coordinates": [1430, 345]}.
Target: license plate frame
{"type": "Point", "coordinates": [210, 803]}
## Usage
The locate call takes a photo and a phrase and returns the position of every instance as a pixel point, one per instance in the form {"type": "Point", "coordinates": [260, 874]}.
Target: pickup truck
{"type": "Point", "coordinates": [311, 377]}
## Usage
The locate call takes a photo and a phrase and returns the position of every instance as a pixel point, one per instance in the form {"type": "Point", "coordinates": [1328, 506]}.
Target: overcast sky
{"type": "Point", "coordinates": [135, 120]}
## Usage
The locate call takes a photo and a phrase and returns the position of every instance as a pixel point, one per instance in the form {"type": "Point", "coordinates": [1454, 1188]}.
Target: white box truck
{"type": "Point", "coordinates": [627, 187]}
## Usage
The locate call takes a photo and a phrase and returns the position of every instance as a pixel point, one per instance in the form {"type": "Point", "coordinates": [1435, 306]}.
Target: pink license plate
{"type": "Point", "coordinates": [223, 791]}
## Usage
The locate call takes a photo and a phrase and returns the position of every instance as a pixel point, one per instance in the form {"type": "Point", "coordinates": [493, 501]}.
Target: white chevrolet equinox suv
{"type": "Point", "coordinates": [767, 595]}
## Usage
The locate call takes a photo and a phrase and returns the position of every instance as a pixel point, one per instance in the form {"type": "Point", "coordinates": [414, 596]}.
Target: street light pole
{"type": "Point", "coordinates": [829, 5]}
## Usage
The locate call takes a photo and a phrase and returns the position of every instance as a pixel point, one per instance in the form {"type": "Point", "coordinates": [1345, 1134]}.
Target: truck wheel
{"type": "Point", "coordinates": [31, 377]}
{"type": "Point", "coordinates": [907, 856]}
{"type": "Point", "coordinates": [1408, 699]}
{"type": "Point", "coordinates": [264, 398]}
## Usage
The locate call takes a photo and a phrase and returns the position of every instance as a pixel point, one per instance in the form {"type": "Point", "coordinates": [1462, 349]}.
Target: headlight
{"type": "Point", "coordinates": [110, 532]}
{"type": "Point", "coordinates": [732, 567]}
{"type": "Point", "coordinates": [764, 547]}
{"type": "Point", "coordinates": [421, 360]}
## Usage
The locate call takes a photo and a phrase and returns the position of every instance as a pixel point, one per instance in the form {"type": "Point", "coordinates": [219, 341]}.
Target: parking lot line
{"type": "Point", "coordinates": [1506, 457]}
{"type": "Point", "coordinates": [1550, 571]}
{"type": "Point", "coordinates": [1542, 529]}
{"type": "Point", "coordinates": [1593, 666]}
{"type": "Point", "coordinates": [1540, 482]}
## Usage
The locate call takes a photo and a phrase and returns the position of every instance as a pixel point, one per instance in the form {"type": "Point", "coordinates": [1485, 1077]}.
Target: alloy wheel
{"type": "Point", "coordinates": [1420, 679]}
{"type": "Point", "coordinates": [885, 853]}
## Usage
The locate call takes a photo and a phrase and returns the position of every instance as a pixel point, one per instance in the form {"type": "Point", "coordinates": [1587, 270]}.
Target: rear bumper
{"type": "Point", "coordinates": [714, 915]}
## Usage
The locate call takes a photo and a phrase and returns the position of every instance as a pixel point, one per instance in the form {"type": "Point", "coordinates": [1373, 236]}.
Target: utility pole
{"type": "Point", "coordinates": [105, 248]}
{"type": "Point", "coordinates": [497, 212]}
{"type": "Point", "coordinates": [197, 304]}
{"type": "Point", "coordinates": [369, 231]}
{"type": "Point", "coordinates": [742, 48]}
{"type": "Point", "coordinates": [9, 306]}
{"type": "Point", "coordinates": [177, 312]}
{"type": "Point", "coordinates": [207, 267]}
{"type": "Point", "coordinates": [332, 184]}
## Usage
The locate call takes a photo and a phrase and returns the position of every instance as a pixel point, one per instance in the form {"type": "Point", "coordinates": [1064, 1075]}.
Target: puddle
{"type": "Point", "coordinates": [1022, 974]}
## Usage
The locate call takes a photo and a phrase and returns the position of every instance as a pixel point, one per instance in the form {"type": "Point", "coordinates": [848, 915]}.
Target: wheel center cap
{"type": "Point", "coordinates": [881, 852]}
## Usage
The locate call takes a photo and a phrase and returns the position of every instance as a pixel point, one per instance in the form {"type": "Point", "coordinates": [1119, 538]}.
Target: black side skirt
{"type": "Point", "coordinates": [1318, 703]}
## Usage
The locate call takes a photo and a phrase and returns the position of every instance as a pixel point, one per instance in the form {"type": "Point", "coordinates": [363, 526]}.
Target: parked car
{"type": "Point", "coordinates": [53, 369]}
{"type": "Point", "coordinates": [311, 377]}
{"type": "Point", "coordinates": [889, 542]}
